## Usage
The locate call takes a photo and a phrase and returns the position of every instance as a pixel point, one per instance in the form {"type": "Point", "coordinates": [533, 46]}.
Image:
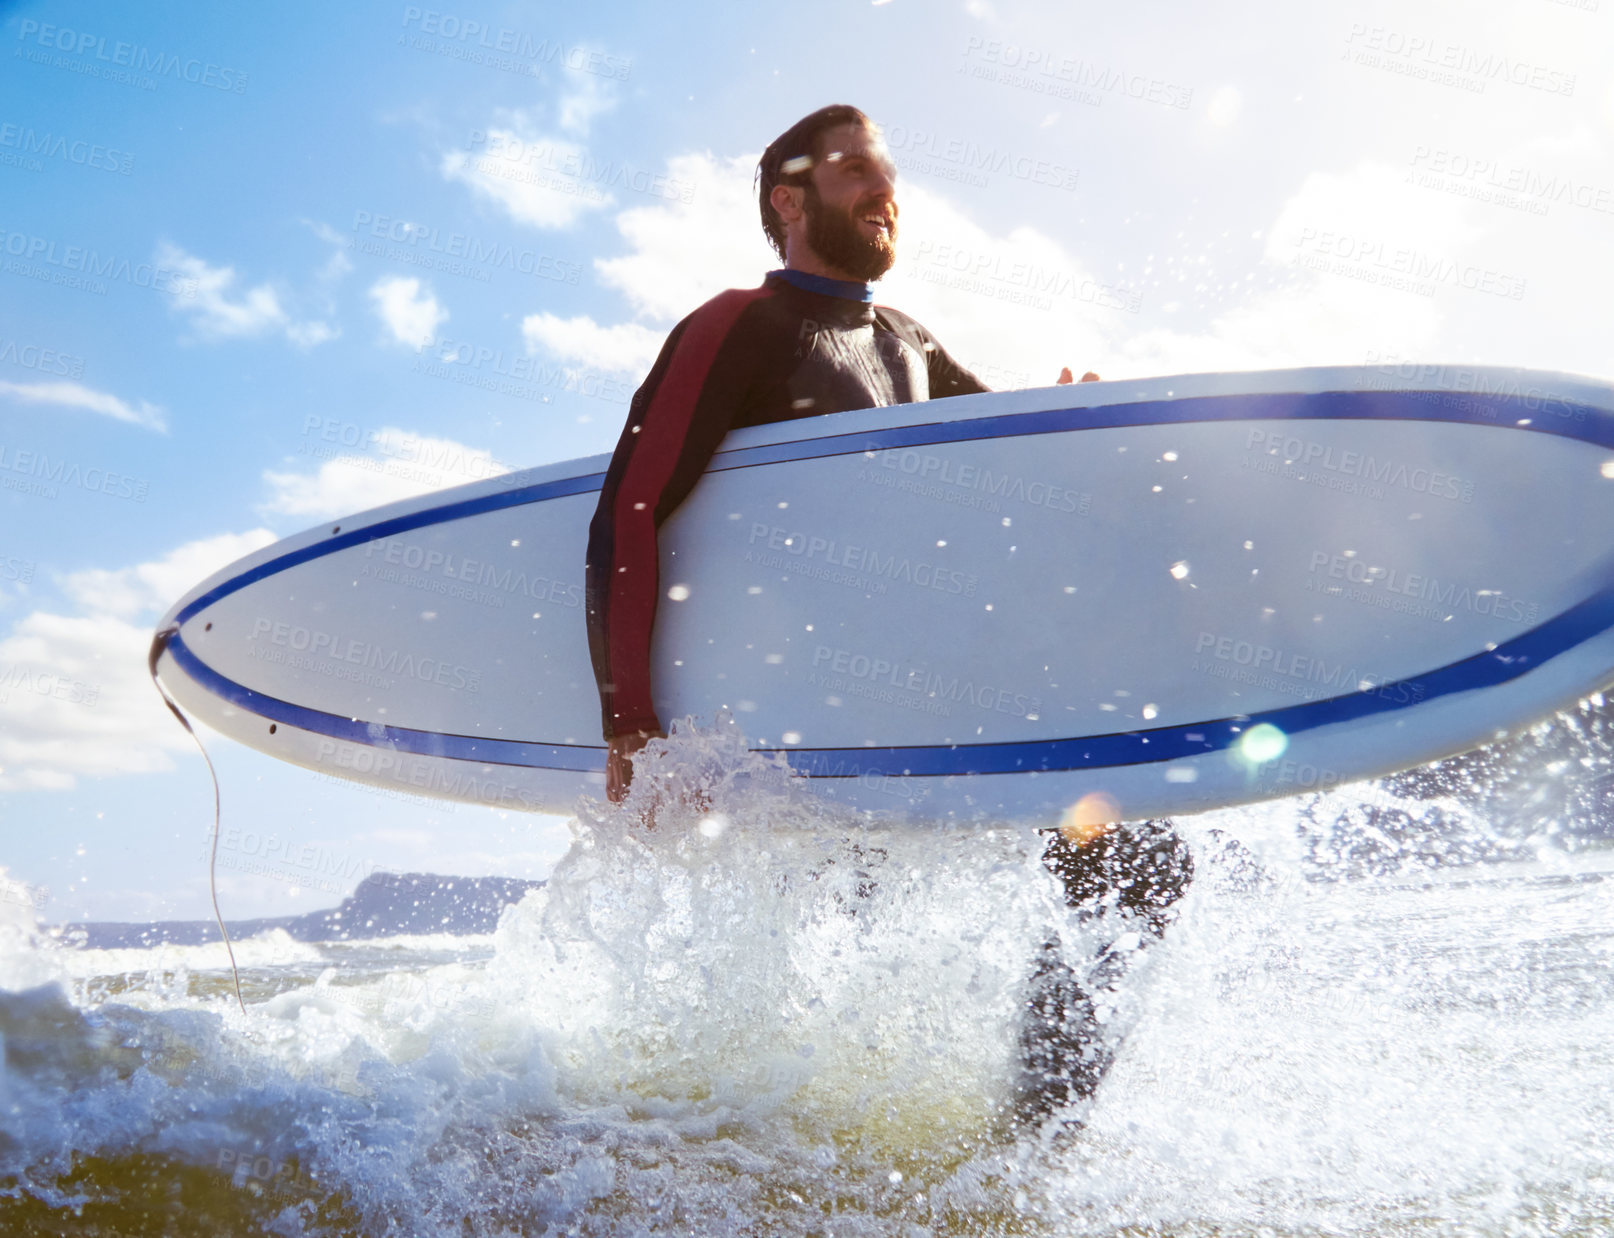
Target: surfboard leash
{"type": "Point", "coordinates": [159, 642]}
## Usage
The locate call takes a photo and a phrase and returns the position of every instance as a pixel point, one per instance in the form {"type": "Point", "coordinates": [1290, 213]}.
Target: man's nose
{"type": "Point", "coordinates": [884, 183]}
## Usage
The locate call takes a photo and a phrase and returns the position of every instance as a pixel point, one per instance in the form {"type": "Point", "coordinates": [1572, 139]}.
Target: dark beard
{"type": "Point", "coordinates": [834, 237]}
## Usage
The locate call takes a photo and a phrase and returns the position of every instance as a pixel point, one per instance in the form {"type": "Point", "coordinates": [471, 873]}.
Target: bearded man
{"type": "Point", "coordinates": [811, 341]}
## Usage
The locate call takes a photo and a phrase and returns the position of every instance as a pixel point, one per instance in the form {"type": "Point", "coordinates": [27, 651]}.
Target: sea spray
{"type": "Point", "coordinates": [737, 1010]}
{"type": "Point", "coordinates": [727, 947]}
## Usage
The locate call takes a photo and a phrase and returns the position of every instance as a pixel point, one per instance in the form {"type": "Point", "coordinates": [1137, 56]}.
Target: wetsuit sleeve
{"type": "Point", "coordinates": [946, 376]}
{"type": "Point", "coordinates": [678, 417]}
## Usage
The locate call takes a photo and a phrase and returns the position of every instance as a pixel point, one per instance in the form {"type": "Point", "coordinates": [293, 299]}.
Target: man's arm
{"type": "Point", "coordinates": [948, 377]}
{"type": "Point", "coordinates": [677, 419]}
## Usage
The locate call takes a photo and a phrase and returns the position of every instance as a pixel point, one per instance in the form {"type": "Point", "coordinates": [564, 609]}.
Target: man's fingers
{"type": "Point", "coordinates": [618, 773]}
{"type": "Point", "coordinates": [1065, 375]}
{"type": "Point", "coordinates": [1089, 377]}
{"type": "Point", "coordinates": [619, 755]}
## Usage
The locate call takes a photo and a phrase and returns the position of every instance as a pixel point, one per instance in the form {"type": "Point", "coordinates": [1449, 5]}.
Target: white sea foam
{"type": "Point", "coordinates": [763, 1014]}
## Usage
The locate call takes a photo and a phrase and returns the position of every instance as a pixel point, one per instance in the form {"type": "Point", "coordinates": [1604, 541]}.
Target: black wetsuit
{"type": "Point", "coordinates": [798, 346]}
{"type": "Point", "coordinates": [1132, 876]}
{"type": "Point", "coordinates": [801, 346]}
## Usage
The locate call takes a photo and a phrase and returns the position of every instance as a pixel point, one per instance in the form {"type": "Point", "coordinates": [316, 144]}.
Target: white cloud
{"type": "Point", "coordinates": [537, 180]}
{"type": "Point", "coordinates": [590, 97]}
{"type": "Point", "coordinates": [1226, 102]}
{"type": "Point", "coordinates": [399, 465]}
{"type": "Point", "coordinates": [217, 310]}
{"type": "Point", "coordinates": [307, 334]}
{"type": "Point", "coordinates": [411, 314]}
{"type": "Point", "coordinates": [338, 264]}
{"type": "Point", "coordinates": [150, 588]}
{"type": "Point", "coordinates": [684, 253]}
{"type": "Point", "coordinates": [626, 347]}
{"type": "Point", "coordinates": [77, 395]}
{"type": "Point", "coordinates": [1019, 304]}
{"type": "Point", "coordinates": [75, 698]}
{"type": "Point", "coordinates": [1372, 203]}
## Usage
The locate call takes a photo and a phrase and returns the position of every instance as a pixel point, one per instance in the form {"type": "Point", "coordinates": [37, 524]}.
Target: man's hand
{"type": "Point", "coordinates": [1089, 377]}
{"type": "Point", "coordinates": [619, 761]}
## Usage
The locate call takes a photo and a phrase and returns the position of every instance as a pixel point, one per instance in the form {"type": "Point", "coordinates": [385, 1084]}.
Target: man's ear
{"type": "Point", "coordinates": [787, 201]}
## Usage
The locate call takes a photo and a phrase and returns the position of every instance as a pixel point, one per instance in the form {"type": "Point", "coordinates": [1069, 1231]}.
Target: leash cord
{"type": "Point", "coordinates": [158, 644]}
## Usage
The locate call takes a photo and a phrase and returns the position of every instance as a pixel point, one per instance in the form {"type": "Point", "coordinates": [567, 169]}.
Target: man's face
{"type": "Point", "coordinates": [851, 205]}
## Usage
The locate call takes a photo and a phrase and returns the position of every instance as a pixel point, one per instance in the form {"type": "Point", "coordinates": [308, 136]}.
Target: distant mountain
{"type": "Point", "coordinates": [383, 905]}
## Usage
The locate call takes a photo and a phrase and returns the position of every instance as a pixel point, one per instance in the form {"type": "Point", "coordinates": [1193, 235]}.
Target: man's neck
{"type": "Point", "coordinates": [804, 259]}
{"type": "Point", "coordinates": [828, 285]}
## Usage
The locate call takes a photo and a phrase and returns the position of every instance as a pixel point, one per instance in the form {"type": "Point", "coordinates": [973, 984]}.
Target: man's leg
{"type": "Point", "coordinates": [1137, 871]}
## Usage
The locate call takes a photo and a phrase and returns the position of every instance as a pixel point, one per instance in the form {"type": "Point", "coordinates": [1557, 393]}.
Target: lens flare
{"type": "Point", "coordinates": [1089, 817]}
{"type": "Point", "coordinates": [1262, 743]}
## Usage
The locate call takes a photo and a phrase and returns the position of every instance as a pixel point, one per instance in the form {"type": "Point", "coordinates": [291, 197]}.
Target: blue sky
{"type": "Point", "coordinates": [341, 256]}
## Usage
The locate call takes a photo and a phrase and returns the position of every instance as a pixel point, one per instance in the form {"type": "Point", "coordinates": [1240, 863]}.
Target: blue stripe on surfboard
{"type": "Point", "coordinates": [520, 496]}
{"type": "Point", "coordinates": [1524, 653]}
{"type": "Point", "coordinates": [581, 758]}
{"type": "Point", "coordinates": [1597, 428]}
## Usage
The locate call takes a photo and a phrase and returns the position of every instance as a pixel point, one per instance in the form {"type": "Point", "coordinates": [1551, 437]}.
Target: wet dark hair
{"type": "Point", "coordinates": [800, 141]}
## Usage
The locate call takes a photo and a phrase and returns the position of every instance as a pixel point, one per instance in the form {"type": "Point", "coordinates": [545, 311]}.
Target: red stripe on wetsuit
{"type": "Point", "coordinates": [624, 551]}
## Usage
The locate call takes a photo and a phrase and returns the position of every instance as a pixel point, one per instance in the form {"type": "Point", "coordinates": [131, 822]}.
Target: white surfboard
{"type": "Point", "coordinates": [1177, 593]}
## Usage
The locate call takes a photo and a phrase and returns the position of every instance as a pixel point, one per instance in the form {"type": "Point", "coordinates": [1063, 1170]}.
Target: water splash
{"type": "Point", "coordinates": [735, 1009]}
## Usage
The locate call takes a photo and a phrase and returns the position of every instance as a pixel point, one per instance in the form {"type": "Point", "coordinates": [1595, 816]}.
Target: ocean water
{"type": "Point", "coordinates": [769, 1016]}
